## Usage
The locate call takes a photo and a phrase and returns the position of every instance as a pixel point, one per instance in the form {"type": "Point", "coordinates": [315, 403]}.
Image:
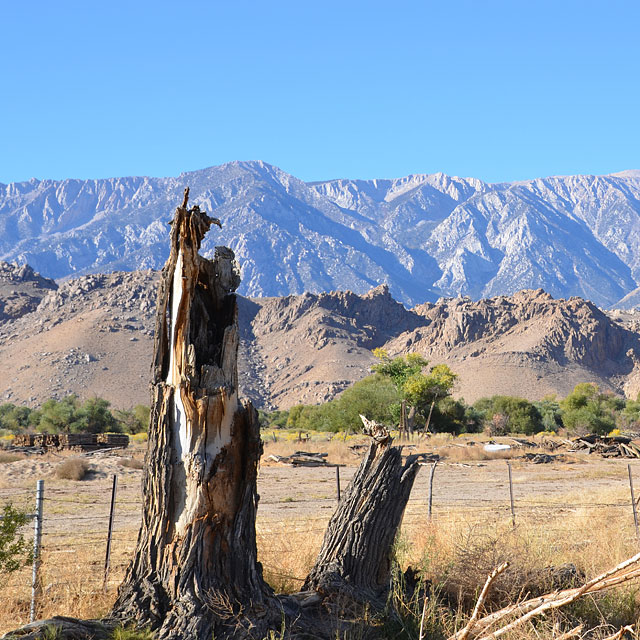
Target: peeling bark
{"type": "Point", "coordinates": [355, 558]}
{"type": "Point", "coordinates": [195, 570]}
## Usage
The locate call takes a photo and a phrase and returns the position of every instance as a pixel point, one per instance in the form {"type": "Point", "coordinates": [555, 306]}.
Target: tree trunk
{"type": "Point", "coordinates": [195, 570]}
{"type": "Point", "coordinates": [355, 558]}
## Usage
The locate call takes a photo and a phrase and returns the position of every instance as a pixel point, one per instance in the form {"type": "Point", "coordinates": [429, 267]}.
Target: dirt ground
{"type": "Point", "coordinates": [295, 505]}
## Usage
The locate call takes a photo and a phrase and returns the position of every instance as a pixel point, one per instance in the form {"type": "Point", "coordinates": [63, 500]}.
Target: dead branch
{"type": "Point", "coordinates": [481, 599]}
{"type": "Point", "coordinates": [623, 572]}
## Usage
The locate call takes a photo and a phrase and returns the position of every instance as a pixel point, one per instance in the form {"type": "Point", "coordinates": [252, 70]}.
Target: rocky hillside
{"type": "Point", "coordinates": [94, 335]}
{"type": "Point", "coordinates": [427, 236]}
{"type": "Point", "coordinates": [21, 290]}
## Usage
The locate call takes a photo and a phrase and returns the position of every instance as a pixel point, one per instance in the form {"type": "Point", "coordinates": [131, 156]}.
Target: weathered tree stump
{"type": "Point", "coordinates": [355, 558]}
{"type": "Point", "coordinates": [195, 571]}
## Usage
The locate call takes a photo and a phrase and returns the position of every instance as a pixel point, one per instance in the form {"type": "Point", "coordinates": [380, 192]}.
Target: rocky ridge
{"type": "Point", "coordinates": [427, 236]}
{"type": "Point", "coordinates": [93, 335]}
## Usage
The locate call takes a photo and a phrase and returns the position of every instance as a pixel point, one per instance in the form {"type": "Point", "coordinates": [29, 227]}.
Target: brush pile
{"type": "Point", "coordinates": [72, 441]}
{"type": "Point", "coordinates": [606, 446]}
{"type": "Point", "coordinates": [301, 459]}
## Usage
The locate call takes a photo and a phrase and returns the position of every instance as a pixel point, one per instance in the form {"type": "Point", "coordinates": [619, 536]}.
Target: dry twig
{"type": "Point", "coordinates": [572, 633]}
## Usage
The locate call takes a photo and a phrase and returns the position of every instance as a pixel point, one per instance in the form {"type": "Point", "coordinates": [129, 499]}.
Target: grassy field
{"type": "Point", "coordinates": [575, 512]}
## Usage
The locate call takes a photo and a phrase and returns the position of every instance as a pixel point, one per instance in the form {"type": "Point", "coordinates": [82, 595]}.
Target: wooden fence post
{"type": "Point", "coordinates": [513, 511]}
{"type": "Point", "coordinates": [433, 470]}
{"type": "Point", "coordinates": [633, 503]}
{"type": "Point", "coordinates": [107, 558]}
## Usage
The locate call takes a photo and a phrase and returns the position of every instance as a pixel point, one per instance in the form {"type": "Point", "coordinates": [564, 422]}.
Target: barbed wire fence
{"type": "Point", "coordinates": [85, 539]}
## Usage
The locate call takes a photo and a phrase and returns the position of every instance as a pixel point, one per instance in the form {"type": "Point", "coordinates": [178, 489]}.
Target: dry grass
{"type": "Point", "coordinates": [131, 463]}
{"type": "Point", "coordinates": [588, 524]}
{"type": "Point", "coordinates": [72, 469]}
{"type": "Point", "coordinates": [287, 551]}
{"type": "Point", "coordinates": [7, 456]}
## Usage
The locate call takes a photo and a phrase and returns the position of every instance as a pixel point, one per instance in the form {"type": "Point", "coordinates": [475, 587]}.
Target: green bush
{"type": "Point", "coordinates": [375, 396]}
{"type": "Point", "coordinates": [516, 415]}
{"type": "Point", "coordinates": [14, 549]}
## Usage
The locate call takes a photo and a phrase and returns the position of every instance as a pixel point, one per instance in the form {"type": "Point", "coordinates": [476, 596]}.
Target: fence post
{"type": "Point", "coordinates": [37, 538]}
{"type": "Point", "coordinates": [633, 503]}
{"type": "Point", "coordinates": [513, 511]}
{"type": "Point", "coordinates": [433, 470]}
{"type": "Point", "coordinates": [107, 558]}
{"type": "Point", "coordinates": [338, 481]}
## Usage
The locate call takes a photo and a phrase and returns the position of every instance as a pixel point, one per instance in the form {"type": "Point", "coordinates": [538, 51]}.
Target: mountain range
{"type": "Point", "coordinates": [425, 236]}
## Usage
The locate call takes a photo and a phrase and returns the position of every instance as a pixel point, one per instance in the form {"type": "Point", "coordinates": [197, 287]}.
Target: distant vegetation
{"type": "Point", "coordinates": [69, 415]}
{"type": "Point", "coordinates": [380, 396]}
{"type": "Point", "coordinates": [425, 390]}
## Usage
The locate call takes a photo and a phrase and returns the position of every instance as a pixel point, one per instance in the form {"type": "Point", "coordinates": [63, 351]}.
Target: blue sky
{"type": "Point", "coordinates": [500, 90]}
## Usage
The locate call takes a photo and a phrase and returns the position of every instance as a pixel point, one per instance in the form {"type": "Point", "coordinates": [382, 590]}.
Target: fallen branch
{"type": "Point", "coordinates": [623, 572]}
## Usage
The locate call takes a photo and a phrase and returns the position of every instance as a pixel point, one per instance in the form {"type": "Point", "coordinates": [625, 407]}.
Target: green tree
{"type": "Point", "coordinates": [399, 369]}
{"type": "Point", "coordinates": [14, 418]}
{"type": "Point", "coordinates": [419, 390]}
{"type": "Point", "coordinates": [422, 391]}
{"type": "Point", "coordinates": [374, 396]}
{"type": "Point", "coordinates": [550, 413]}
{"type": "Point", "coordinates": [273, 419]}
{"type": "Point", "coordinates": [62, 416]}
{"type": "Point", "coordinates": [69, 416]}
{"type": "Point", "coordinates": [629, 417]}
{"type": "Point", "coordinates": [586, 409]}
{"type": "Point", "coordinates": [95, 417]}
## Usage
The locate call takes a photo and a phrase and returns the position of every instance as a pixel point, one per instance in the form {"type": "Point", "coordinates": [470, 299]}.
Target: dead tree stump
{"type": "Point", "coordinates": [355, 558]}
{"type": "Point", "coordinates": [195, 572]}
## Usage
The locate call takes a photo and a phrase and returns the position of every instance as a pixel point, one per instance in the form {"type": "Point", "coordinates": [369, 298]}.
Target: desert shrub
{"type": "Point", "coordinates": [509, 414]}
{"type": "Point", "coordinates": [14, 549]}
{"type": "Point", "coordinates": [7, 456]}
{"type": "Point", "coordinates": [131, 463]}
{"type": "Point", "coordinates": [72, 469]}
{"type": "Point", "coordinates": [475, 556]}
